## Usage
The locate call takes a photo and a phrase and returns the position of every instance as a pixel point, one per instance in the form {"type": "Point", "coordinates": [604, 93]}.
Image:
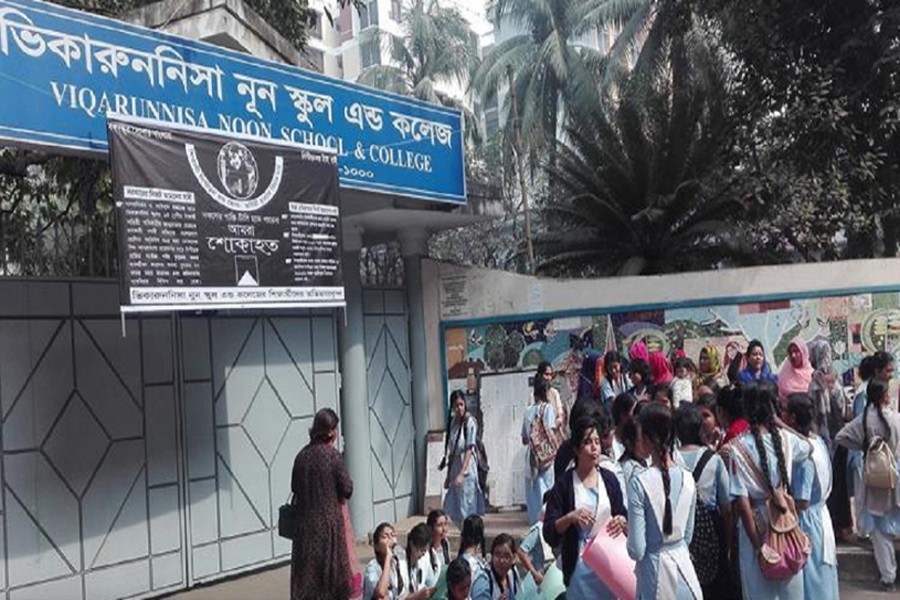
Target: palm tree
{"type": "Point", "coordinates": [437, 47]}
{"type": "Point", "coordinates": [639, 177]}
{"type": "Point", "coordinates": [546, 62]}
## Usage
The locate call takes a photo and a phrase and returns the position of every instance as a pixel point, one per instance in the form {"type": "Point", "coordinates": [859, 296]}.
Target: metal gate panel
{"type": "Point", "coordinates": [90, 478]}
{"type": "Point", "coordinates": [391, 428]}
{"type": "Point", "coordinates": [251, 388]}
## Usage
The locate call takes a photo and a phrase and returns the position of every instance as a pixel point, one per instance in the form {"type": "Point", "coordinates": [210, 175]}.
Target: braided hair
{"type": "Point", "coordinates": [875, 394]}
{"type": "Point", "coordinates": [759, 403]}
{"type": "Point", "coordinates": [657, 428]}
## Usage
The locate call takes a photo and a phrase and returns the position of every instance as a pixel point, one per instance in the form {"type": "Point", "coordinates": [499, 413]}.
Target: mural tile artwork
{"type": "Point", "coordinates": [854, 325]}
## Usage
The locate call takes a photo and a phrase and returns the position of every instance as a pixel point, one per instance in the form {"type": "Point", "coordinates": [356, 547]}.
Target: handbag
{"type": "Point", "coordinates": [785, 546]}
{"type": "Point", "coordinates": [288, 519]}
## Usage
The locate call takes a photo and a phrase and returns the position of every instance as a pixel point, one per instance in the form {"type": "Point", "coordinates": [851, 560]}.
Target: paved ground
{"type": "Point", "coordinates": [274, 585]}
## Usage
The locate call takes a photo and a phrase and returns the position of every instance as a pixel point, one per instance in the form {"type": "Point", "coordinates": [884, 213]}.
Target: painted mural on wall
{"type": "Point", "coordinates": [854, 325]}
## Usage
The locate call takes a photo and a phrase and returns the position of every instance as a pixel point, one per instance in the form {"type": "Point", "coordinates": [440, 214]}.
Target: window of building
{"type": "Point", "coordinates": [370, 53]}
{"type": "Point", "coordinates": [368, 14]}
{"type": "Point", "coordinates": [396, 10]}
{"type": "Point", "coordinates": [314, 60]}
{"type": "Point", "coordinates": [315, 31]}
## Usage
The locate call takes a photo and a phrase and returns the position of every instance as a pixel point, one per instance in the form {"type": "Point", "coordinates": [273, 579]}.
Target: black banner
{"type": "Point", "coordinates": [212, 221]}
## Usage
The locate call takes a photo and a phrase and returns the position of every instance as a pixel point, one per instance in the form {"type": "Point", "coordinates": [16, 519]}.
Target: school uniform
{"type": "Point", "coordinates": [662, 562]}
{"type": "Point", "coordinates": [604, 501]}
{"type": "Point", "coordinates": [539, 482]}
{"type": "Point", "coordinates": [813, 484]}
{"type": "Point", "coordinates": [627, 468]}
{"type": "Point", "coordinates": [879, 510]}
{"type": "Point", "coordinates": [475, 564]}
{"type": "Point", "coordinates": [432, 562]}
{"type": "Point", "coordinates": [399, 586]}
{"type": "Point", "coordinates": [712, 492]}
{"type": "Point", "coordinates": [467, 499]}
{"type": "Point", "coordinates": [743, 483]}
{"type": "Point", "coordinates": [537, 549]}
{"type": "Point", "coordinates": [486, 587]}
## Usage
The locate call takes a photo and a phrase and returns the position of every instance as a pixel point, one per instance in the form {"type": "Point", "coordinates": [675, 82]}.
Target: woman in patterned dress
{"type": "Point", "coordinates": [320, 566]}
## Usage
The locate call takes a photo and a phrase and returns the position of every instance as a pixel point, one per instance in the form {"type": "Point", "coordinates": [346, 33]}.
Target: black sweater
{"type": "Point", "coordinates": [561, 501]}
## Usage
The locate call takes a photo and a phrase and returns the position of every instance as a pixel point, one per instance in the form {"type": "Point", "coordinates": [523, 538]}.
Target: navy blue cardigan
{"type": "Point", "coordinates": [561, 501]}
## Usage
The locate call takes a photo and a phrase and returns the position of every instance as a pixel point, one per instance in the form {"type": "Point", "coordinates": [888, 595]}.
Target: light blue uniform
{"type": "Point", "coordinates": [467, 499]}
{"type": "Point", "coordinates": [399, 585]}
{"type": "Point", "coordinates": [712, 487]}
{"type": "Point", "coordinates": [536, 485]}
{"type": "Point", "coordinates": [812, 482]}
{"type": "Point", "coordinates": [744, 484]}
{"type": "Point", "coordinates": [662, 562]}
{"type": "Point", "coordinates": [485, 586]}
{"type": "Point", "coordinates": [584, 584]}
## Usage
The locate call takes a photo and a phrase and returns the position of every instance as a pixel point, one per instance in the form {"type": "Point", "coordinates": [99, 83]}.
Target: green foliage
{"type": "Point", "coordinates": [642, 184]}
{"type": "Point", "coordinates": [437, 47]}
{"type": "Point", "coordinates": [818, 86]}
{"type": "Point", "coordinates": [291, 18]}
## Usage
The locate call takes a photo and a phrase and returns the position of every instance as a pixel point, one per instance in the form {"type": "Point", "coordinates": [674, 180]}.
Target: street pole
{"type": "Point", "coordinates": [517, 148]}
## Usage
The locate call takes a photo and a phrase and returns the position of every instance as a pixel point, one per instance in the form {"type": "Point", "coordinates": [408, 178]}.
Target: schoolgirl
{"type": "Point", "coordinates": [471, 544]}
{"type": "Point", "coordinates": [713, 509]}
{"type": "Point", "coordinates": [388, 576]}
{"type": "Point", "coordinates": [584, 499]}
{"type": "Point", "coordinates": [760, 462]}
{"type": "Point", "coordinates": [813, 486]}
{"type": "Point", "coordinates": [880, 514]}
{"type": "Point", "coordinates": [499, 580]}
{"type": "Point", "coordinates": [464, 494]}
{"type": "Point", "coordinates": [459, 580]}
{"type": "Point", "coordinates": [634, 456]}
{"type": "Point", "coordinates": [438, 553]}
{"type": "Point", "coordinates": [661, 502]}
{"type": "Point", "coordinates": [622, 408]}
{"type": "Point", "coordinates": [614, 382]}
{"type": "Point", "coordinates": [538, 480]}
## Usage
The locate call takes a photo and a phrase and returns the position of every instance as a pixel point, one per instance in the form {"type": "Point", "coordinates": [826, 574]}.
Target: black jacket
{"type": "Point", "coordinates": [561, 501]}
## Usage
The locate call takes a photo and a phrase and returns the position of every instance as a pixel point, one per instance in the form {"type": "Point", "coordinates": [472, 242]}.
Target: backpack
{"type": "Point", "coordinates": [543, 443]}
{"type": "Point", "coordinates": [785, 547]}
{"type": "Point", "coordinates": [707, 543]}
{"type": "Point", "coordinates": [481, 461]}
{"type": "Point", "coordinates": [880, 469]}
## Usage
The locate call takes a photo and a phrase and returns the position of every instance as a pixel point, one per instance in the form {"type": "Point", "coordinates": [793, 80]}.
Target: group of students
{"type": "Point", "coordinates": [416, 572]}
{"type": "Point", "coordinates": [726, 493]}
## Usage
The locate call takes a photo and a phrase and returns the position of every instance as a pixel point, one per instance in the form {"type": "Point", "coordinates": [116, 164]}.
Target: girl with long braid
{"type": "Point", "coordinates": [880, 512]}
{"type": "Point", "coordinates": [761, 462]}
{"type": "Point", "coordinates": [812, 485]}
{"type": "Point", "coordinates": [661, 502]}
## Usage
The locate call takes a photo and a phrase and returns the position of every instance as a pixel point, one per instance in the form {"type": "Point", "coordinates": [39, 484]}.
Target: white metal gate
{"type": "Point", "coordinates": [118, 454]}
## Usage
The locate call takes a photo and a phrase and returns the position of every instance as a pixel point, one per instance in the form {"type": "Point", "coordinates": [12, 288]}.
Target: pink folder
{"type": "Point", "coordinates": [608, 558]}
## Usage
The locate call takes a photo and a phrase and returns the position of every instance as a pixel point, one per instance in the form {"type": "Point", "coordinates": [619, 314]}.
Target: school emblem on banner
{"type": "Point", "coordinates": [211, 221]}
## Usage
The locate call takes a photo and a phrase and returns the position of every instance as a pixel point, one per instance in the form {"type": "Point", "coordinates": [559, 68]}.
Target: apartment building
{"type": "Point", "coordinates": [345, 46]}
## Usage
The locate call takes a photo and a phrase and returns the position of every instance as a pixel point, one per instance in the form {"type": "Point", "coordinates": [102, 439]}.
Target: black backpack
{"type": "Point", "coordinates": [707, 544]}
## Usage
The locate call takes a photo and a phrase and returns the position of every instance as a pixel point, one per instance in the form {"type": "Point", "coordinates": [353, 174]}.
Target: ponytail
{"type": "Point", "coordinates": [875, 394]}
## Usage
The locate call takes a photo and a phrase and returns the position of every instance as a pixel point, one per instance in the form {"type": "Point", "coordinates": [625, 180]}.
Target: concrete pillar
{"type": "Point", "coordinates": [354, 396]}
{"type": "Point", "coordinates": [413, 246]}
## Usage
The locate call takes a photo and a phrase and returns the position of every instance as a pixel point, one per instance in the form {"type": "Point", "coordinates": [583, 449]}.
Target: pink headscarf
{"type": "Point", "coordinates": [793, 380]}
{"type": "Point", "coordinates": [659, 368]}
{"type": "Point", "coordinates": [639, 350]}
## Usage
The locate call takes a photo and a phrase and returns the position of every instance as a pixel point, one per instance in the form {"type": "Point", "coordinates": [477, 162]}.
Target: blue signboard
{"type": "Point", "coordinates": [62, 71]}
